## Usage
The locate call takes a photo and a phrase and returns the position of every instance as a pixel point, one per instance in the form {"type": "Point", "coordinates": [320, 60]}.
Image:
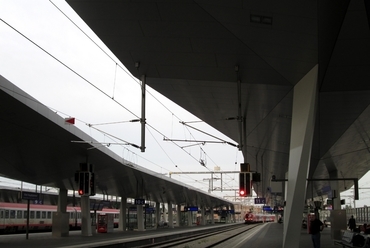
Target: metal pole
{"type": "Point", "coordinates": [142, 120]}
{"type": "Point", "coordinates": [28, 218]}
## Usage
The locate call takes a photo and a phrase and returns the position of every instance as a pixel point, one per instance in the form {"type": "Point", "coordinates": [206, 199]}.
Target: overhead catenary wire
{"type": "Point", "coordinates": [118, 64]}
{"type": "Point", "coordinates": [69, 68]}
{"type": "Point", "coordinates": [110, 97]}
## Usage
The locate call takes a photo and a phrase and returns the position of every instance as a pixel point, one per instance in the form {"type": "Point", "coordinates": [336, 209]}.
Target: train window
{"type": "Point", "coordinates": [78, 215]}
{"type": "Point", "coordinates": [43, 215]}
{"type": "Point", "coordinates": [49, 215]}
{"type": "Point", "coordinates": [71, 215]}
{"type": "Point", "coordinates": [38, 214]}
{"type": "Point", "coordinates": [25, 214]}
{"type": "Point", "coordinates": [32, 214]}
{"type": "Point", "coordinates": [6, 214]}
{"type": "Point", "coordinates": [1, 214]}
{"type": "Point", "coordinates": [12, 214]}
{"type": "Point", "coordinates": [19, 214]}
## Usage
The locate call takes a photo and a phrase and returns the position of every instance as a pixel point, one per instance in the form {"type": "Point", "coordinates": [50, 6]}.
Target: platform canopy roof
{"type": "Point", "coordinates": [37, 146]}
{"type": "Point", "coordinates": [196, 51]}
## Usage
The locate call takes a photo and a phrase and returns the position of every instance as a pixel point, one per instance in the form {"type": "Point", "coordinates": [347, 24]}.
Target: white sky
{"type": "Point", "coordinates": [25, 22]}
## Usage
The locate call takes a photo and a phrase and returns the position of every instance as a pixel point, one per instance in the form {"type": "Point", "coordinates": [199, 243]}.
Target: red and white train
{"type": "Point", "coordinates": [251, 218]}
{"type": "Point", "coordinates": [13, 217]}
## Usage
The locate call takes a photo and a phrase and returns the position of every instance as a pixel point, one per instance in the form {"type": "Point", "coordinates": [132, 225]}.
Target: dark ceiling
{"type": "Point", "coordinates": [195, 51]}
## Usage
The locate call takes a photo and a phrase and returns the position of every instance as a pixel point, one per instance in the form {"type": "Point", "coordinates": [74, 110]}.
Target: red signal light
{"type": "Point", "coordinates": [241, 193]}
{"type": "Point", "coordinates": [80, 192]}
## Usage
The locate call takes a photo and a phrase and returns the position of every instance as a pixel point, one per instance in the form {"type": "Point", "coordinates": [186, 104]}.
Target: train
{"type": "Point", "coordinates": [252, 218]}
{"type": "Point", "coordinates": [13, 217]}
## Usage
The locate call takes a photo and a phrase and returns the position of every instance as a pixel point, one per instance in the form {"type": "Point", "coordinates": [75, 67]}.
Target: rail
{"type": "Point", "coordinates": [208, 239]}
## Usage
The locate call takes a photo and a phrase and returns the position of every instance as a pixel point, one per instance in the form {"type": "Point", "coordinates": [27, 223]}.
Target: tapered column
{"type": "Point", "coordinates": [140, 217]}
{"type": "Point", "coordinates": [303, 120]}
{"type": "Point", "coordinates": [85, 216]}
{"type": "Point", "coordinates": [178, 215]}
{"type": "Point", "coordinates": [212, 216]}
{"type": "Point", "coordinates": [170, 215]}
{"type": "Point", "coordinates": [203, 212]}
{"type": "Point", "coordinates": [157, 213]}
{"type": "Point", "coordinates": [60, 225]}
{"type": "Point", "coordinates": [123, 215]}
{"type": "Point", "coordinates": [190, 218]}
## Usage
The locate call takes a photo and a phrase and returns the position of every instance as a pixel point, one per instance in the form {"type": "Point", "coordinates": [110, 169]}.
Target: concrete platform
{"type": "Point", "coordinates": [271, 237]}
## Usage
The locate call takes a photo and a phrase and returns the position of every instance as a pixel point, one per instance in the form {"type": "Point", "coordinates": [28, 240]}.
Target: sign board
{"type": "Point", "coordinates": [30, 196]}
{"type": "Point", "coordinates": [149, 210]}
{"type": "Point", "coordinates": [259, 200]}
{"type": "Point", "coordinates": [189, 209]}
{"type": "Point", "coordinates": [266, 208]}
{"type": "Point", "coordinates": [139, 201]}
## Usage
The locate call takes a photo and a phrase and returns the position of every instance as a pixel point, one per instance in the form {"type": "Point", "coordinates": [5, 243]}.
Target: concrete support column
{"type": "Point", "coordinates": [157, 213]}
{"type": "Point", "coordinates": [178, 215]}
{"type": "Point", "coordinates": [233, 215]}
{"type": "Point", "coordinates": [140, 217]}
{"type": "Point", "coordinates": [212, 216]}
{"type": "Point", "coordinates": [204, 217]}
{"type": "Point", "coordinates": [123, 215]}
{"type": "Point", "coordinates": [334, 185]}
{"type": "Point", "coordinates": [85, 216]}
{"type": "Point", "coordinates": [170, 215]}
{"type": "Point", "coordinates": [337, 215]}
{"type": "Point", "coordinates": [62, 200]}
{"type": "Point", "coordinates": [60, 225]}
{"type": "Point", "coordinates": [164, 213]}
{"type": "Point", "coordinates": [227, 214]}
{"type": "Point", "coordinates": [190, 218]}
{"type": "Point", "coordinates": [303, 121]}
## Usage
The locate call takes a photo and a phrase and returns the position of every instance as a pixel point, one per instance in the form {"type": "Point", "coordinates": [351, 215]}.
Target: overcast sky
{"type": "Point", "coordinates": [72, 72]}
{"type": "Point", "coordinates": [50, 53]}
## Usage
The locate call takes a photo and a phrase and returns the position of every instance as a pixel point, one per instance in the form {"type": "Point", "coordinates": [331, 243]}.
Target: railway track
{"type": "Point", "coordinates": [208, 239]}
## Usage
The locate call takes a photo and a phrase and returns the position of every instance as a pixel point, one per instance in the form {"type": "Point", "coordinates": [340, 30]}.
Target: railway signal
{"type": "Point", "coordinates": [84, 183]}
{"type": "Point", "coordinates": [85, 179]}
{"type": "Point", "coordinates": [245, 184]}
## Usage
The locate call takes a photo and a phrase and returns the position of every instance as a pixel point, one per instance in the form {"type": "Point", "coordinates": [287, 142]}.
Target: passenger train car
{"type": "Point", "coordinates": [13, 217]}
{"type": "Point", "coordinates": [251, 218]}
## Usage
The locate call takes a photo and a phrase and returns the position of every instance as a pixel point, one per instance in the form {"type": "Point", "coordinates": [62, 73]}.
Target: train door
{"type": "Point", "coordinates": [12, 219]}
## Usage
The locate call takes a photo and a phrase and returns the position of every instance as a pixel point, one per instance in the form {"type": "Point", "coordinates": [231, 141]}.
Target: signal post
{"type": "Point", "coordinates": [85, 180]}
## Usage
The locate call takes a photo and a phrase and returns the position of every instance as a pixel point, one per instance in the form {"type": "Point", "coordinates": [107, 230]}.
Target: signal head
{"type": "Point", "coordinates": [241, 192]}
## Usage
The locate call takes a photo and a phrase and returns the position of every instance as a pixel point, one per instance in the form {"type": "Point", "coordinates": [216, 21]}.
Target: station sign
{"type": "Point", "coordinates": [30, 196]}
{"type": "Point", "coordinates": [267, 208]}
{"type": "Point", "coordinates": [190, 209]}
{"type": "Point", "coordinates": [139, 202]}
{"type": "Point", "coordinates": [259, 200]}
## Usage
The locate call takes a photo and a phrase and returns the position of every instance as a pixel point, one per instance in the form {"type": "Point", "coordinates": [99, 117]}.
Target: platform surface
{"type": "Point", "coordinates": [271, 236]}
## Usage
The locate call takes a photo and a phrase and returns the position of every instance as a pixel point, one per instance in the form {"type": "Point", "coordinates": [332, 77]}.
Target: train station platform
{"type": "Point", "coordinates": [271, 236]}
